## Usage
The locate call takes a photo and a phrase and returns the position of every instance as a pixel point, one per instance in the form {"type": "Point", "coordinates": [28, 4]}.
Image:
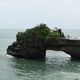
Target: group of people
{"type": "Point", "coordinates": [62, 34]}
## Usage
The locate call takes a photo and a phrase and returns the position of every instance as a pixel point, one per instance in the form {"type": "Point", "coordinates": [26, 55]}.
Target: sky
{"type": "Point", "coordinates": [23, 14]}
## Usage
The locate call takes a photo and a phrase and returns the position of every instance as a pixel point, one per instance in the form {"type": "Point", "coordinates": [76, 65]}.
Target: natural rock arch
{"type": "Point", "coordinates": [34, 42]}
{"type": "Point", "coordinates": [71, 47]}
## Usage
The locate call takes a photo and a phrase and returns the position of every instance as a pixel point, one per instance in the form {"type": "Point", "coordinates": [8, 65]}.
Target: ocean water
{"type": "Point", "coordinates": [57, 65]}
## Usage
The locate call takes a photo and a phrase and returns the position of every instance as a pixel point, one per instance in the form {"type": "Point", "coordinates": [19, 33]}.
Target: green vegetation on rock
{"type": "Point", "coordinates": [39, 34]}
{"type": "Point", "coordinates": [34, 42]}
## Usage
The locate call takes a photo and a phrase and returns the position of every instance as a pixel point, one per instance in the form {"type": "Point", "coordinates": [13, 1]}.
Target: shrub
{"type": "Point", "coordinates": [39, 34]}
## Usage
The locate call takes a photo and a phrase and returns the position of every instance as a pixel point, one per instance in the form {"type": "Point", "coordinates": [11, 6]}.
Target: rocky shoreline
{"type": "Point", "coordinates": [30, 52]}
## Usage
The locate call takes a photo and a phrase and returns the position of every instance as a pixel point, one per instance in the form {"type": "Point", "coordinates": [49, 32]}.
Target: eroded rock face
{"type": "Point", "coordinates": [73, 51]}
{"type": "Point", "coordinates": [71, 47]}
{"type": "Point", "coordinates": [26, 52]}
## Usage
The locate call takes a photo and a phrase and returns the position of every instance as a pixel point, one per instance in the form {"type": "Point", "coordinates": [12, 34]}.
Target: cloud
{"type": "Point", "coordinates": [52, 12]}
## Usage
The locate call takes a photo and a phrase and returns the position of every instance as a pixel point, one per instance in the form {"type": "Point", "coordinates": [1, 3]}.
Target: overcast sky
{"type": "Point", "coordinates": [23, 14]}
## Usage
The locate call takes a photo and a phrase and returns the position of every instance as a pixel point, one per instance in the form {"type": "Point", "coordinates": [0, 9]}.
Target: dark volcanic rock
{"type": "Point", "coordinates": [71, 47]}
{"type": "Point", "coordinates": [28, 52]}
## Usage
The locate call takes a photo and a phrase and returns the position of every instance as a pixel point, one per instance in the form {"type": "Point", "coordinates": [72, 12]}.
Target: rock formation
{"type": "Point", "coordinates": [34, 42]}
